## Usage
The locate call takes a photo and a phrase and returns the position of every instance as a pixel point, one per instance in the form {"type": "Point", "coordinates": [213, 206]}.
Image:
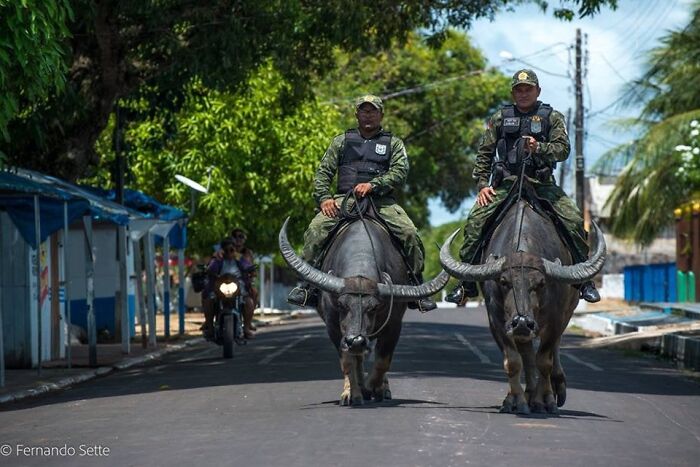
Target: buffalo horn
{"type": "Point", "coordinates": [415, 292]}
{"type": "Point", "coordinates": [581, 272]}
{"type": "Point", "coordinates": [307, 272]}
{"type": "Point", "coordinates": [465, 271]}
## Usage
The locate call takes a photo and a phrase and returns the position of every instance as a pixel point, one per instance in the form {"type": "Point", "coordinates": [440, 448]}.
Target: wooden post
{"type": "Point", "coordinates": [181, 290]}
{"type": "Point", "coordinates": [37, 249]}
{"type": "Point", "coordinates": [123, 290]}
{"type": "Point", "coordinates": [166, 284]}
{"type": "Point", "coordinates": [140, 302]}
{"type": "Point", "coordinates": [695, 243]}
{"type": "Point", "coordinates": [90, 296]}
{"type": "Point", "coordinates": [151, 290]}
{"type": "Point", "coordinates": [66, 284]}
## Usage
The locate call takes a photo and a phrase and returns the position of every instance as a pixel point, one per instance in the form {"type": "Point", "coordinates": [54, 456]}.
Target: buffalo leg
{"type": "Point", "coordinates": [378, 382]}
{"type": "Point", "coordinates": [527, 352]}
{"type": "Point", "coordinates": [544, 396]}
{"type": "Point", "coordinates": [515, 400]}
{"type": "Point", "coordinates": [352, 391]}
{"type": "Point", "coordinates": [558, 379]}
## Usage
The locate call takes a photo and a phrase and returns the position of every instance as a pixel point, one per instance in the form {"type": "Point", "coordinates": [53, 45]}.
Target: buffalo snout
{"type": "Point", "coordinates": [523, 325]}
{"type": "Point", "coordinates": [354, 344]}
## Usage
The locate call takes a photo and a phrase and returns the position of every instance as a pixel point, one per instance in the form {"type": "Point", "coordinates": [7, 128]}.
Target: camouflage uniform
{"type": "Point", "coordinates": [382, 187]}
{"type": "Point", "coordinates": [556, 149]}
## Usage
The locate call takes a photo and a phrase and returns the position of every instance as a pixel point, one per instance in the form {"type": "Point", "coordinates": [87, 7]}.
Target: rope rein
{"type": "Point", "coordinates": [521, 216]}
{"type": "Point", "coordinates": [360, 207]}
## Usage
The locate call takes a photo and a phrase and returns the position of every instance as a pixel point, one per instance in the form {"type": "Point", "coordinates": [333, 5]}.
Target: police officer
{"type": "Point", "coordinates": [527, 126]}
{"type": "Point", "coordinates": [371, 162]}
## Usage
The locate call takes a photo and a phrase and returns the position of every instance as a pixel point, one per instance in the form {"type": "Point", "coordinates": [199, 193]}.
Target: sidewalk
{"type": "Point", "coordinates": [55, 375]}
{"type": "Point", "coordinates": [670, 329]}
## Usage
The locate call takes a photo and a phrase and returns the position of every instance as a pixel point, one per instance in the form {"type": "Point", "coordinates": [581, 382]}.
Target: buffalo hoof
{"type": "Point", "coordinates": [537, 407]}
{"type": "Point", "coordinates": [381, 394]}
{"type": "Point", "coordinates": [552, 409]}
{"type": "Point", "coordinates": [378, 395]}
{"type": "Point", "coordinates": [508, 405]}
{"type": "Point", "coordinates": [522, 408]}
{"type": "Point", "coordinates": [347, 400]}
{"type": "Point", "coordinates": [366, 394]}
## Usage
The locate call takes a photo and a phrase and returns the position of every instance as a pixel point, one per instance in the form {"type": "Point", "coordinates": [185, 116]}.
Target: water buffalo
{"type": "Point", "coordinates": [363, 301]}
{"type": "Point", "coordinates": [526, 282]}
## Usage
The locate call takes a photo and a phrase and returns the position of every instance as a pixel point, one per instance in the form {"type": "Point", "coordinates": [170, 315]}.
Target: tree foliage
{"type": "Point", "coordinates": [152, 49]}
{"type": "Point", "coordinates": [658, 176]}
{"type": "Point", "coordinates": [263, 157]}
{"type": "Point", "coordinates": [32, 54]}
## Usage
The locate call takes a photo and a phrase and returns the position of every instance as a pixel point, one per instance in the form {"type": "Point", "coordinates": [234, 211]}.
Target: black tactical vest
{"type": "Point", "coordinates": [515, 124]}
{"type": "Point", "coordinates": [363, 159]}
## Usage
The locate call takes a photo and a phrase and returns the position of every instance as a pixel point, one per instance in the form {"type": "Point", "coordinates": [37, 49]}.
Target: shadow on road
{"type": "Point", "coordinates": [426, 350]}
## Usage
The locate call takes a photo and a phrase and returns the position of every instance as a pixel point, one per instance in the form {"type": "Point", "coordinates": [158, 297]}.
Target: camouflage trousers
{"type": "Point", "coordinates": [396, 219]}
{"type": "Point", "coordinates": [564, 206]}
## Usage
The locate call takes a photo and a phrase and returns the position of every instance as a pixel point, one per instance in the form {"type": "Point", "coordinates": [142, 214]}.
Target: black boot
{"type": "Point", "coordinates": [424, 304]}
{"type": "Point", "coordinates": [303, 295]}
{"type": "Point", "coordinates": [589, 293]}
{"type": "Point", "coordinates": [462, 292]}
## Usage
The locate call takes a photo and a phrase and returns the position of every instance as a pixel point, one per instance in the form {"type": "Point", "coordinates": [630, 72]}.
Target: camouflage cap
{"type": "Point", "coordinates": [525, 76]}
{"type": "Point", "coordinates": [374, 100]}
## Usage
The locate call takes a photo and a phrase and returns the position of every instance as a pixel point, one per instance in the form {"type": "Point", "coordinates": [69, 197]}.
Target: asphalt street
{"type": "Point", "coordinates": [276, 404]}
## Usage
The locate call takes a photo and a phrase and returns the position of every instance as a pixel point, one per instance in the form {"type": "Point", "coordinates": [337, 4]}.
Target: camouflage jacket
{"type": "Point", "coordinates": [383, 185]}
{"type": "Point", "coordinates": [556, 148]}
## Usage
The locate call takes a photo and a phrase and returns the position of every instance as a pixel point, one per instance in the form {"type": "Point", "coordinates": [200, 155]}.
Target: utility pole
{"type": "Point", "coordinates": [578, 123]}
{"type": "Point", "coordinates": [565, 164]}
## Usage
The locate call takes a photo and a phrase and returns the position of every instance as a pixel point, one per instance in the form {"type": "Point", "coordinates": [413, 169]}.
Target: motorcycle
{"type": "Point", "coordinates": [227, 301]}
{"type": "Point", "coordinates": [228, 321]}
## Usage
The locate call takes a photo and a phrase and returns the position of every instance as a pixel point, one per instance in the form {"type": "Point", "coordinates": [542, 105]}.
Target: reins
{"type": "Point", "coordinates": [360, 208]}
{"type": "Point", "coordinates": [521, 216]}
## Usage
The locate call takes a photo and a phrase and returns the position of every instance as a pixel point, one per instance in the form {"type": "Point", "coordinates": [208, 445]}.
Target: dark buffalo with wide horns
{"type": "Point", "coordinates": [363, 300]}
{"type": "Point", "coordinates": [527, 282]}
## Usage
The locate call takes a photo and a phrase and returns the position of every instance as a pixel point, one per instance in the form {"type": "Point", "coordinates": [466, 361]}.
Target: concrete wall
{"type": "Point", "coordinates": [19, 304]}
{"type": "Point", "coordinates": [106, 277]}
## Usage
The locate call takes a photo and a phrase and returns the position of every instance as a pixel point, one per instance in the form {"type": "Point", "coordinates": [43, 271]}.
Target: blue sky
{"type": "Point", "coordinates": [618, 42]}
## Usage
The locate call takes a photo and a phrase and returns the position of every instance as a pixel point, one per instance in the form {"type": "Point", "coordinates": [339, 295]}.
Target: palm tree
{"type": "Point", "coordinates": [661, 171]}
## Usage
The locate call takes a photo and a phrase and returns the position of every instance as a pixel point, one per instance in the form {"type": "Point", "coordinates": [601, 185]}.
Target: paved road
{"type": "Point", "coordinates": [275, 404]}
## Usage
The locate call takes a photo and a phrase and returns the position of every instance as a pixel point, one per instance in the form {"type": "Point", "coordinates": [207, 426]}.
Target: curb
{"type": "Point", "coordinates": [95, 373]}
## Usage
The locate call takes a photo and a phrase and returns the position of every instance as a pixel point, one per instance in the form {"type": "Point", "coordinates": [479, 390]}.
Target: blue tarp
{"type": "Point", "coordinates": [20, 208]}
{"type": "Point", "coordinates": [101, 208]}
{"type": "Point", "coordinates": [20, 186]}
{"type": "Point", "coordinates": [141, 202]}
{"type": "Point", "coordinates": [153, 209]}
{"type": "Point", "coordinates": [21, 211]}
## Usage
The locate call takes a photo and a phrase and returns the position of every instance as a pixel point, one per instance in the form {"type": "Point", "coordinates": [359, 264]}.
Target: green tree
{"type": "Point", "coordinates": [152, 49]}
{"type": "Point", "coordinates": [32, 54]}
{"type": "Point", "coordinates": [436, 98]}
{"type": "Point", "coordinates": [263, 157]}
{"type": "Point", "coordinates": [660, 175]}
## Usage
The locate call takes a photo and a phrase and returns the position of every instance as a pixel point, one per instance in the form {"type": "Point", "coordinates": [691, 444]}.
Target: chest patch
{"type": "Point", "coordinates": [511, 121]}
{"type": "Point", "coordinates": [536, 124]}
{"type": "Point", "coordinates": [380, 149]}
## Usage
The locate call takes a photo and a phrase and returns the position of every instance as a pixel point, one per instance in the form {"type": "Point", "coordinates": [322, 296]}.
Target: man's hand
{"type": "Point", "coordinates": [330, 208]}
{"type": "Point", "coordinates": [363, 189]}
{"type": "Point", "coordinates": [485, 196]}
{"type": "Point", "coordinates": [530, 144]}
